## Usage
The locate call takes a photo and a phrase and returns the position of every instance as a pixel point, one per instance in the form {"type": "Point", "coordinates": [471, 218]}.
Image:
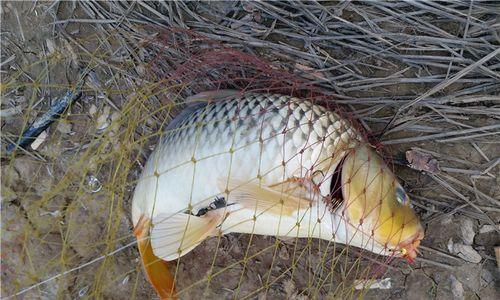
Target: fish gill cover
{"type": "Point", "coordinates": [411, 75]}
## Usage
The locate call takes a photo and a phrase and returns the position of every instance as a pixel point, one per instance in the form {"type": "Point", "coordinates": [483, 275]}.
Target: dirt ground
{"type": "Point", "coordinates": [65, 210]}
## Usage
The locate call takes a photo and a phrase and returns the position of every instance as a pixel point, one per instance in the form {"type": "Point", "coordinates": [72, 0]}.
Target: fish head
{"type": "Point", "coordinates": [377, 205]}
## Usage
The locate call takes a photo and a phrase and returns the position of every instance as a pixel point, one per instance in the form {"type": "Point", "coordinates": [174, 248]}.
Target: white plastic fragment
{"type": "Point", "coordinates": [54, 214]}
{"type": "Point", "coordinates": [382, 284]}
{"type": "Point", "coordinates": [39, 140]}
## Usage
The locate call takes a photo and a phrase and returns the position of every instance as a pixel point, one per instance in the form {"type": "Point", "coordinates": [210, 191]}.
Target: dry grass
{"type": "Point", "coordinates": [416, 75]}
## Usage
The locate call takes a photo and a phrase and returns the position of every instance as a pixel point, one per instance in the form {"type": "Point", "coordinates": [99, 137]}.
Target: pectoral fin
{"type": "Point", "coordinates": [175, 235]}
{"type": "Point", "coordinates": [156, 269]}
{"type": "Point", "coordinates": [264, 199]}
{"type": "Point", "coordinates": [298, 187]}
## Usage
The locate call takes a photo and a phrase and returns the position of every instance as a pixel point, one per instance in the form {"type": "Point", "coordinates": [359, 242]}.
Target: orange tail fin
{"type": "Point", "coordinates": [156, 269]}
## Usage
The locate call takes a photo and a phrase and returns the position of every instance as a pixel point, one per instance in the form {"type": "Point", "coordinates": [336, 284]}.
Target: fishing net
{"type": "Point", "coordinates": [67, 229]}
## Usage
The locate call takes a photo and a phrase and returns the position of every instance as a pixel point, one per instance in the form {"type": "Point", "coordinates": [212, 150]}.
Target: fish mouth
{"type": "Point", "coordinates": [409, 248]}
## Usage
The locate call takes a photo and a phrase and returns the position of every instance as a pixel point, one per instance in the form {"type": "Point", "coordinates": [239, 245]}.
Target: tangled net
{"type": "Point", "coordinates": [88, 176]}
{"type": "Point", "coordinates": [66, 218]}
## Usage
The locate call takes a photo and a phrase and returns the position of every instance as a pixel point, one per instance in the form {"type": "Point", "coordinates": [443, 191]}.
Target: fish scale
{"type": "Point", "coordinates": [265, 129]}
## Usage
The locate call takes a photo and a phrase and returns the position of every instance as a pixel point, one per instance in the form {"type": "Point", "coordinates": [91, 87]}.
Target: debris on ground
{"type": "Point", "coordinates": [422, 161]}
{"type": "Point", "coordinates": [383, 284]}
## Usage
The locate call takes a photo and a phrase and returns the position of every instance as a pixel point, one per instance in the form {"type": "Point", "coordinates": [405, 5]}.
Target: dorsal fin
{"type": "Point", "coordinates": [212, 96]}
{"type": "Point", "coordinates": [186, 112]}
{"type": "Point", "coordinates": [198, 101]}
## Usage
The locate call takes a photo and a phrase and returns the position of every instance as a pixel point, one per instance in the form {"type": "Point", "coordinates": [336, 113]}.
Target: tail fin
{"type": "Point", "coordinates": [156, 269]}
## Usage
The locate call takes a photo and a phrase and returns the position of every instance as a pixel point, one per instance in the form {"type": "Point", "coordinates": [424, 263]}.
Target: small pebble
{"type": "Point", "coordinates": [102, 120]}
{"type": "Point", "coordinates": [486, 277]}
{"type": "Point", "coordinates": [422, 161]}
{"type": "Point", "coordinates": [457, 288]}
{"type": "Point", "coordinates": [92, 110]}
{"type": "Point", "coordinates": [283, 254]}
{"type": "Point", "coordinates": [64, 126]}
{"type": "Point", "coordinates": [467, 230]}
{"type": "Point", "coordinates": [10, 112]}
{"type": "Point", "coordinates": [488, 228]}
{"type": "Point", "coordinates": [467, 253]}
{"type": "Point", "coordinates": [51, 46]}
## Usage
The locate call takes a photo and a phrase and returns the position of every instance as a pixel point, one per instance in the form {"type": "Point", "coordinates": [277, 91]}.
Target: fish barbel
{"type": "Point", "coordinates": [270, 165]}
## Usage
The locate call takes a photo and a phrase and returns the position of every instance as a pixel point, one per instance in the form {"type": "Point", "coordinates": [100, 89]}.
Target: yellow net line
{"type": "Point", "coordinates": [80, 209]}
{"type": "Point", "coordinates": [67, 225]}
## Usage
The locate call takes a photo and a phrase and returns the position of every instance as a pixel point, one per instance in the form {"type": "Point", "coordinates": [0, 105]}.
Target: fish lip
{"type": "Point", "coordinates": [410, 245]}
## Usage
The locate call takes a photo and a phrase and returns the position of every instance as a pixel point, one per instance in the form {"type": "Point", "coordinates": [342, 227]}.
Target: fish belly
{"type": "Point", "coordinates": [313, 222]}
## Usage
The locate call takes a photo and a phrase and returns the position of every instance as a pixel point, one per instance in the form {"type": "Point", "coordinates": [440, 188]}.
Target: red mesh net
{"type": "Point", "coordinates": [366, 206]}
{"type": "Point", "coordinates": [297, 201]}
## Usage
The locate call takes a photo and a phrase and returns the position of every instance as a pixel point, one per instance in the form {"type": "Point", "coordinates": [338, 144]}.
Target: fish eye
{"type": "Point", "coordinates": [401, 196]}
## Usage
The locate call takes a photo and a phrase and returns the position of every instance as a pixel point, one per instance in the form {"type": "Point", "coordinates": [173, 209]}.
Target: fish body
{"type": "Point", "coordinates": [246, 137]}
{"type": "Point", "coordinates": [269, 164]}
